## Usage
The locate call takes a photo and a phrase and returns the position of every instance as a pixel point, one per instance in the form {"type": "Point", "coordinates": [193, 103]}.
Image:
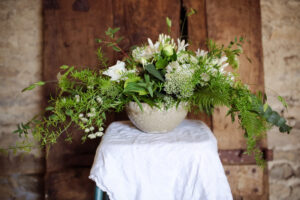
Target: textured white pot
{"type": "Point", "coordinates": [154, 120]}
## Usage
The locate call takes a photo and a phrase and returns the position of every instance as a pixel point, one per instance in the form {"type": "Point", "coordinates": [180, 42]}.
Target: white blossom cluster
{"type": "Point", "coordinates": [85, 119]}
{"type": "Point", "coordinates": [145, 54]}
{"type": "Point", "coordinates": [178, 80]}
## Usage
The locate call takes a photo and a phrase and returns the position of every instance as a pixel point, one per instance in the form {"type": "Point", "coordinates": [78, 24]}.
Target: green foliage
{"type": "Point", "coordinates": [169, 24]}
{"type": "Point", "coordinates": [161, 74]}
{"type": "Point", "coordinates": [34, 85]}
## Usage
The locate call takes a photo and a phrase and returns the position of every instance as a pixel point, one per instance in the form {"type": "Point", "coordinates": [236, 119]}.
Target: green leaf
{"type": "Point", "coordinates": [119, 39]}
{"type": "Point", "coordinates": [161, 63]}
{"type": "Point", "coordinates": [116, 49]}
{"type": "Point", "coordinates": [169, 22]}
{"type": "Point", "coordinates": [192, 12]}
{"type": "Point", "coordinates": [265, 107]}
{"type": "Point", "coordinates": [132, 79]}
{"type": "Point", "coordinates": [64, 67]}
{"type": "Point", "coordinates": [40, 83]}
{"type": "Point", "coordinates": [150, 91]}
{"type": "Point", "coordinates": [115, 30]}
{"type": "Point", "coordinates": [154, 72]}
{"type": "Point", "coordinates": [30, 87]}
{"type": "Point", "coordinates": [138, 102]}
{"type": "Point", "coordinates": [98, 40]}
{"type": "Point", "coordinates": [282, 100]}
{"type": "Point", "coordinates": [135, 87]}
{"type": "Point", "coordinates": [49, 108]}
{"type": "Point", "coordinates": [69, 112]}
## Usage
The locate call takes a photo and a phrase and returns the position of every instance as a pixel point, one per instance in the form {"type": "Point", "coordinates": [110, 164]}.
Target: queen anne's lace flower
{"type": "Point", "coordinates": [179, 80]}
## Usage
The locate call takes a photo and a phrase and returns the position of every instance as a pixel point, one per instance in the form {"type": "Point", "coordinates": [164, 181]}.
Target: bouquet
{"type": "Point", "coordinates": [161, 74]}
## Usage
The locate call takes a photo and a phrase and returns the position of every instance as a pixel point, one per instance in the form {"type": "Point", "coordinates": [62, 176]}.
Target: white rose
{"type": "Point", "coordinates": [115, 72]}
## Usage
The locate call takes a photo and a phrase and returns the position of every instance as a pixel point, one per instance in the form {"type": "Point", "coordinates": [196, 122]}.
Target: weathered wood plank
{"type": "Point", "coordinates": [70, 31]}
{"type": "Point", "coordinates": [69, 36]}
{"type": "Point", "coordinates": [69, 184]}
{"type": "Point", "coordinates": [225, 20]}
{"type": "Point", "coordinates": [246, 180]}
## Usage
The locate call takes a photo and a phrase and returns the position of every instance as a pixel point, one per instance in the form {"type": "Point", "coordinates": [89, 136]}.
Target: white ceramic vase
{"type": "Point", "coordinates": [154, 120]}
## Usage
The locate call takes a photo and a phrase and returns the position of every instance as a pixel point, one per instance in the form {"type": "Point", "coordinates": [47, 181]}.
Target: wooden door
{"type": "Point", "coordinates": [70, 29]}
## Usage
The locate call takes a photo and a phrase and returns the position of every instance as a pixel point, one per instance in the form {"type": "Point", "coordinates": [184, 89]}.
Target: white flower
{"type": "Point", "coordinates": [221, 60]}
{"type": "Point", "coordinates": [101, 129]}
{"type": "Point", "coordinates": [153, 48]}
{"type": "Point", "coordinates": [90, 87]}
{"type": "Point", "coordinates": [77, 98]}
{"type": "Point", "coordinates": [99, 134]}
{"type": "Point", "coordinates": [173, 66]}
{"type": "Point", "coordinates": [84, 119]}
{"type": "Point", "coordinates": [99, 100]}
{"type": "Point", "coordinates": [116, 71]}
{"type": "Point", "coordinates": [80, 115]}
{"type": "Point", "coordinates": [183, 57]}
{"type": "Point", "coordinates": [142, 54]}
{"type": "Point", "coordinates": [223, 67]}
{"type": "Point", "coordinates": [92, 128]}
{"type": "Point", "coordinates": [166, 40]}
{"type": "Point", "coordinates": [201, 53]}
{"type": "Point", "coordinates": [87, 130]}
{"type": "Point", "coordinates": [90, 115]}
{"type": "Point", "coordinates": [93, 109]}
{"type": "Point", "coordinates": [205, 77]}
{"type": "Point", "coordinates": [214, 61]}
{"type": "Point", "coordinates": [193, 59]}
{"type": "Point", "coordinates": [92, 136]}
{"type": "Point", "coordinates": [181, 45]}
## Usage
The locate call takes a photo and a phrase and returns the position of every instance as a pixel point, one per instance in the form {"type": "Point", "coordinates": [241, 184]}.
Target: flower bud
{"type": "Point", "coordinates": [168, 50]}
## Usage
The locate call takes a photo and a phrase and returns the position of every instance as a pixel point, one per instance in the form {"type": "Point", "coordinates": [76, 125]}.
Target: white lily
{"type": "Point", "coordinates": [116, 71]}
{"type": "Point", "coordinates": [201, 53]}
{"type": "Point", "coordinates": [152, 48]}
{"type": "Point", "coordinates": [181, 45]}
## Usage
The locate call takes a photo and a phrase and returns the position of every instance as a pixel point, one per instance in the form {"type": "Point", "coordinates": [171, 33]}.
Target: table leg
{"type": "Point", "coordinates": [98, 194]}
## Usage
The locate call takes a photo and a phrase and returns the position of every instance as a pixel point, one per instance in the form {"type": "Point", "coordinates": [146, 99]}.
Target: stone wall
{"type": "Point", "coordinates": [281, 46]}
{"type": "Point", "coordinates": [21, 175]}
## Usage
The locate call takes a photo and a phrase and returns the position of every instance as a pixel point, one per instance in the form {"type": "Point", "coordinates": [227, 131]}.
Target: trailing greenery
{"type": "Point", "coordinates": [161, 74]}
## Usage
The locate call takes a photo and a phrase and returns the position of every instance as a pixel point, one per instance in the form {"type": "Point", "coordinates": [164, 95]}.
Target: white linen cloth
{"type": "Point", "coordinates": [180, 165]}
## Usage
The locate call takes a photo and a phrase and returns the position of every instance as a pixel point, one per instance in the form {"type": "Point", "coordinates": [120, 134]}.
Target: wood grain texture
{"type": "Point", "coordinates": [69, 36]}
{"type": "Point", "coordinates": [225, 20]}
{"type": "Point", "coordinates": [246, 182]}
{"type": "Point", "coordinates": [70, 30]}
{"type": "Point", "coordinates": [69, 184]}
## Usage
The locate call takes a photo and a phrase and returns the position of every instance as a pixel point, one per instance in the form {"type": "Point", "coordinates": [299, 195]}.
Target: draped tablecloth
{"type": "Point", "coordinates": [179, 165]}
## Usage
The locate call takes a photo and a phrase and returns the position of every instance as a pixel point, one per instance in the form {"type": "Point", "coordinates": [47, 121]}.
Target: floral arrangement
{"type": "Point", "coordinates": [161, 74]}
